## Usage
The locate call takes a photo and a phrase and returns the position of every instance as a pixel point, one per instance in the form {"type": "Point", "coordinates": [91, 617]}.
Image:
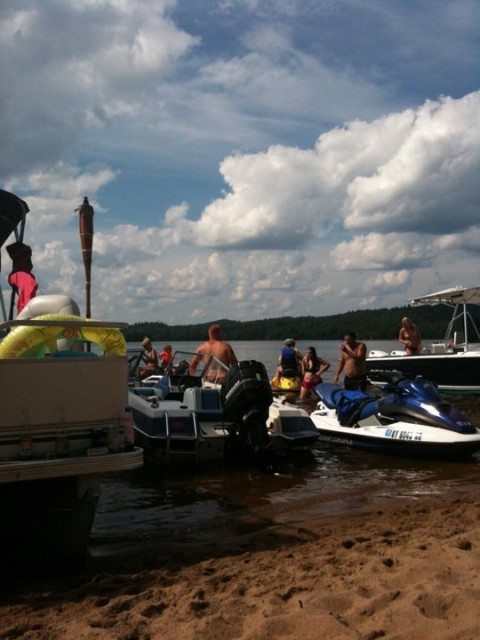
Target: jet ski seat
{"type": "Point", "coordinates": [330, 393]}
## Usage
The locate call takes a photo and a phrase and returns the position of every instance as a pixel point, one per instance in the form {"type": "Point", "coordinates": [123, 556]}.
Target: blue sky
{"type": "Point", "coordinates": [245, 159]}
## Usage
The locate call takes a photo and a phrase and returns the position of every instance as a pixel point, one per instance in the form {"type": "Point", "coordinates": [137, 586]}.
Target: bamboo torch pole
{"type": "Point", "coordinates": [85, 212]}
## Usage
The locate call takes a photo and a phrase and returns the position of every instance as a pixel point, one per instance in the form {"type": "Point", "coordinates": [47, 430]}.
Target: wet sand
{"type": "Point", "coordinates": [402, 571]}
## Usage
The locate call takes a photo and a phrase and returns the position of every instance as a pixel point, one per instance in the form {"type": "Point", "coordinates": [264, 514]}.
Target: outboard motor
{"type": "Point", "coordinates": [246, 397]}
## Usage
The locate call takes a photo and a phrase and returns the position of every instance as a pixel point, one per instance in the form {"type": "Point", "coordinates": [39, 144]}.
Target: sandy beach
{"type": "Point", "coordinates": [402, 571]}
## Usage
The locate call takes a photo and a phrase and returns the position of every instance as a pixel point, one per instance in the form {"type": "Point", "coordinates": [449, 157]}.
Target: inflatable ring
{"type": "Point", "coordinates": [33, 341]}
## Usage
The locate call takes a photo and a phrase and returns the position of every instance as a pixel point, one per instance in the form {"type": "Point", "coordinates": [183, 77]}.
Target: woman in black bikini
{"type": "Point", "coordinates": [312, 368]}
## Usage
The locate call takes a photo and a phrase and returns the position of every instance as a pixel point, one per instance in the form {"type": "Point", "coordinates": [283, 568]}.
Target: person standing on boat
{"type": "Point", "coordinates": [410, 336]}
{"type": "Point", "coordinates": [219, 348]}
{"type": "Point", "coordinates": [354, 362]}
{"type": "Point", "coordinates": [149, 358]}
{"type": "Point", "coordinates": [312, 368]}
{"type": "Point", "coordinates": [289, 360]}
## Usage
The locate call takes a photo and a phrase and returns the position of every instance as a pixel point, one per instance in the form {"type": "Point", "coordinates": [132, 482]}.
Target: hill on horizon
{"type": "Point", "coordinates": [377, 324]}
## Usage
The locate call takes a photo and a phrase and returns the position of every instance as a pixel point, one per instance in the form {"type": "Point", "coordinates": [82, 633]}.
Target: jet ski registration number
{"type": "Point", "coordinates": [400, 434]}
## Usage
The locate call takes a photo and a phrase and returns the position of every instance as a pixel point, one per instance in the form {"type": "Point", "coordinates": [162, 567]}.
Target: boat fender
{"type": "Point", "coordinates": [33, 341]}
{"type": "Point", "coordinates": [377, 353]}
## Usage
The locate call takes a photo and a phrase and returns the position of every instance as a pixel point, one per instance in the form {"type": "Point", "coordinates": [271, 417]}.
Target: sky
{"type": "Point", "coordinates": [245, 159]}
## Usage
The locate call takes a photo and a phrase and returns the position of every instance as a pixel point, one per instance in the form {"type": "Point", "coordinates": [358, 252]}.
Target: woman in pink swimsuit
{"type": "Point", "coordinates": [410, 336]}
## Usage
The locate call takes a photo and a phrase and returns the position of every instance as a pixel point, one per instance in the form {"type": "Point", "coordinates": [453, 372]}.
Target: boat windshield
{"type": "Point", "coordinates": [208, 369]}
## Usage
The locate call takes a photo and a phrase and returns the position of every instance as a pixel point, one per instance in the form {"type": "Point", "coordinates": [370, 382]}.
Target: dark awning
{"type": "Point", "coordinates": [12, 213]}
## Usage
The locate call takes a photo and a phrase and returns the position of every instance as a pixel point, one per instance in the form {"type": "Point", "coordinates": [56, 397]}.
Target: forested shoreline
{"type": "Point", "coordinates": [375, 324]}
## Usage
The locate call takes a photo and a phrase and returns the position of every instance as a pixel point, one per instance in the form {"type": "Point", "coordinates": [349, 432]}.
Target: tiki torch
{"type": "Point", "coordinates": [85, 212]}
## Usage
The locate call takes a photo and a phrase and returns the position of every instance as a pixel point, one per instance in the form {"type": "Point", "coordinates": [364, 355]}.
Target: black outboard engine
{"type": "Point", "coordinates": [246, 397]}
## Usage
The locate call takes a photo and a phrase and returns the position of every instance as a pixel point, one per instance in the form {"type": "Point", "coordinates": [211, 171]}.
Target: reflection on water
{"type": "Point", "coordinates": [153, 505]}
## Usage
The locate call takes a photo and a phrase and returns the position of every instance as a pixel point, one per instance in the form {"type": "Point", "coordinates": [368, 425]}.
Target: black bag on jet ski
{"type": "Point", "coordinates": [348, 404]}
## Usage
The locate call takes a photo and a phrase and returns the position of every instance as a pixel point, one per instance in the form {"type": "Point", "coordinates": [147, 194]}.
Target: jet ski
{"type": "Point", "coordinates": [289, 384]}
{"type": "Point", "coordinates": [410, 418]}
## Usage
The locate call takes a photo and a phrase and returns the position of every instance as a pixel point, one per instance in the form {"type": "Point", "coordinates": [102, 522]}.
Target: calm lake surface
{"type": "Point", "coordinates": [152, 505]}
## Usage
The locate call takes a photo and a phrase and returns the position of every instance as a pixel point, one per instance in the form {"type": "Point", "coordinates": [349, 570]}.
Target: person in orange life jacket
{"type": "Point", "coordinates": [150, 358]}
{"type": "Point", "coordinates": [290, 359]}
{"type": "Point", "coordinates": [312, 368]}
{"type": "Point", "coordinates": [165, 356]}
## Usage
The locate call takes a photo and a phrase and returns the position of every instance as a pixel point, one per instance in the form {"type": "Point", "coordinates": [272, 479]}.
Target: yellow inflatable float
{"type": "Point", "coordinates": [35, 341]}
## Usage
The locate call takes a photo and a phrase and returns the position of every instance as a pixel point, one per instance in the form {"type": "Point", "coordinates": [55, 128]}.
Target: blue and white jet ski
{"type": "Point", "coordinates": [412, 420]}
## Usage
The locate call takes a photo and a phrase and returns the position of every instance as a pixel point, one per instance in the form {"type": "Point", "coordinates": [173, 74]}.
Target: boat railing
{"type": "Point", "coordinates": [186, 443]}
{"type": "Point", "coordinates": [461, 339]}
{"type": "Point", "coordinates": [209, 373]}
{"type": "Point", "coordinates": [81, 322]}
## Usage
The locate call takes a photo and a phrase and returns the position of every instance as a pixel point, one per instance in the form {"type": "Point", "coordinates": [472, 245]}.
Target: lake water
{"type": "Point", "coordinates": [153, 506]}
{"type": "Point", "coordinates": [267, 351]}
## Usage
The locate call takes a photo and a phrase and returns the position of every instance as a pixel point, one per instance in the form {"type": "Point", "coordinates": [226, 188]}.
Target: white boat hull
{"type": "Point", "coordinates": [400, 438]}
{"type": "Point", "coordinates": [63, 422]}
{"type": "Point", "coordinates": [453, 372]}
{"type": "Point", "coordinates": [454, 363]}
{"type": "Point", "coordinates": [179, 432]}
{"type": "Point", "coordinates": [290, 426]}
{"type": "Point", "coordinates": [61, 431]}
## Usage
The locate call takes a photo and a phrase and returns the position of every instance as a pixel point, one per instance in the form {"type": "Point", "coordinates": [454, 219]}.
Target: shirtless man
{"type": "Point", "coordinates": [215, 346]}
{"type": "Point", "coordinates": [353, 360]}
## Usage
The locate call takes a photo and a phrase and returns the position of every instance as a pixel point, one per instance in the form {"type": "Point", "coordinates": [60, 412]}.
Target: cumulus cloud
{"type": "Point", "coordinates": [346, 181]}
{"type": "Point", "coordinates": [468, 240]}
{"type": "Point", "coordinates": [388, 281]}
{"type": "Point", "coordinates": [382, 251]}
{"type": "Point", "coordinates": [402, 172]}
{"type": "Point", "coordinates": [418, 186]}
{"type": "Point", "coordinates": [105, 62]}
{"type": "Point", "coordinates": [264, 235]}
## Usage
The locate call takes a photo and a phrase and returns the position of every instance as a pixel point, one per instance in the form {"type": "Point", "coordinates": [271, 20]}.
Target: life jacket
{"type": "Point", "coordinates": [347, 405]}
{"type": "Point", "coordinates": [166, 357]}
{"type": "Point", "coordinates": [288, 358]}
{"type": "Point", "coordinates": [21, 278]}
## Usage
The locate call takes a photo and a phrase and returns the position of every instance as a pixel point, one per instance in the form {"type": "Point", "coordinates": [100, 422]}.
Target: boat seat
{"type": "Point", "coordinates": [173, 386]}
{"type": "Point", "coordinates": [366, 408]}
{"type": "Point", "coordinates": [329, 393]}
{"type": "Point", "coordinates": [211, 400]}
{"type": "Point", "coordinates": [350, 404]}
{"type": "Point", "coordinates": [290, 373]}
{"type": "Point", "coordinates": [206, 403]}
{"type": "Point", "coordinates": [71, 353]}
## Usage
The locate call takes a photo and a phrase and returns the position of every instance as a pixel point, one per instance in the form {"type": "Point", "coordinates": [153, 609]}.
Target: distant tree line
{"type": "Point", "coordinates": [376, 324]}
